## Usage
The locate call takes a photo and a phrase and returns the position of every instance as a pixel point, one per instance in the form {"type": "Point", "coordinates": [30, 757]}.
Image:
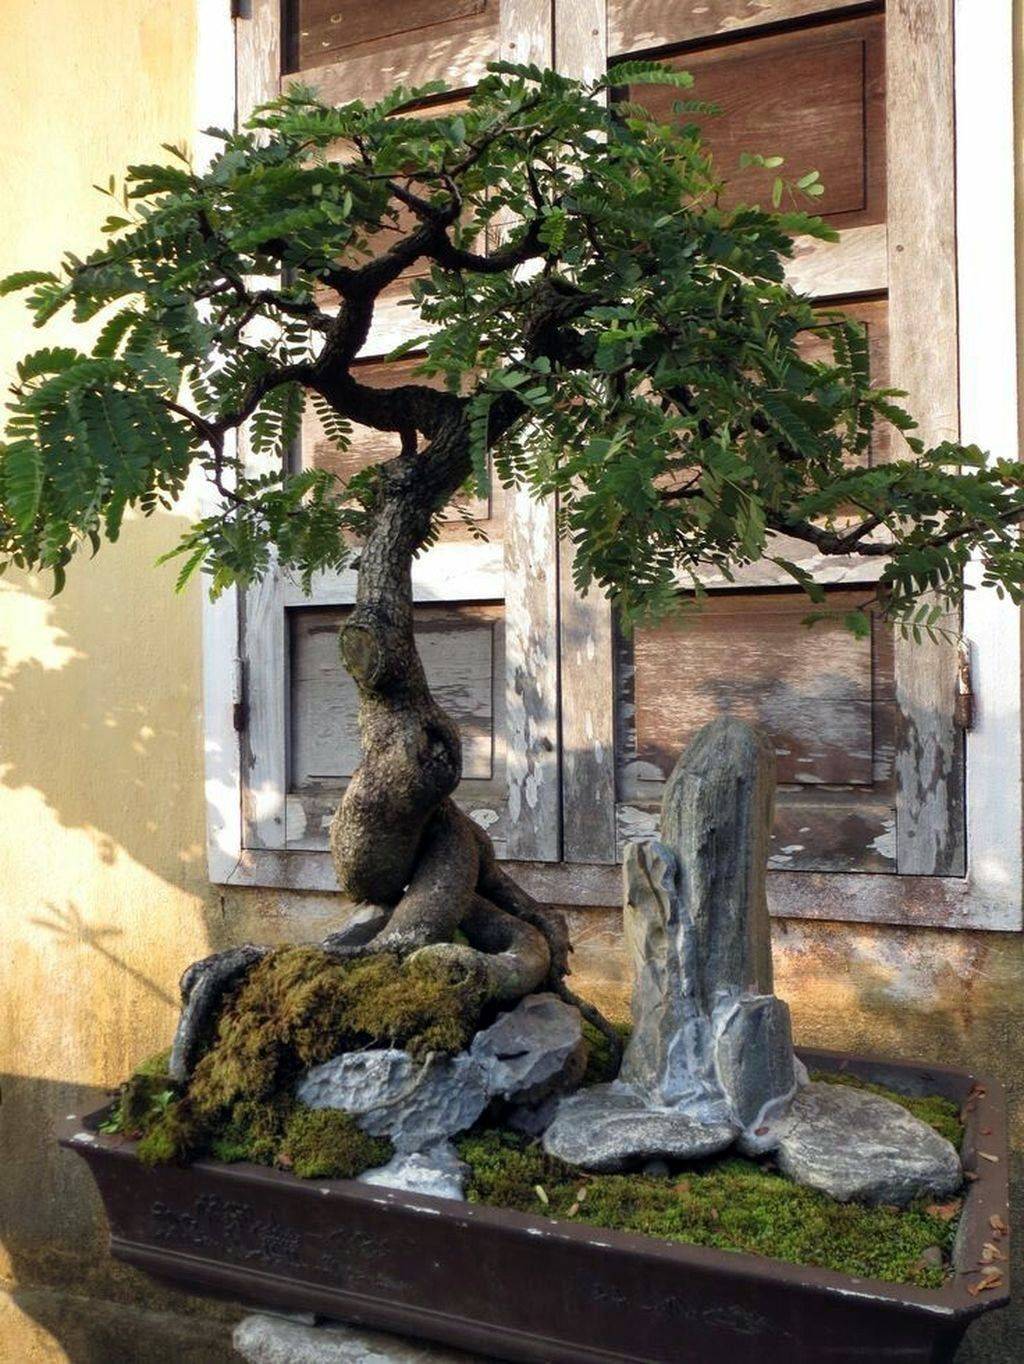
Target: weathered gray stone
{"type": "Point", "coordinates": [610, 1127]}
{"type": "Point", "coordinates": [415, 1103]}
{"type": "Point", "coordinates": [533, 1050]}
{"type": "Point", "coordinates": [364, 923]}
{"type": "Point", "coordinates": [203, 986]}
{"type": "Point", "coordinates": [437, 1171]}
{"type": "Point", "coordinates": [276, 1340]}
{"type": "Point", "coordinates": [856, 1145]}
{"type": "Point", "coordinates": [754, 1057]}
{"type": "Point", "coordinates": [716, 814]}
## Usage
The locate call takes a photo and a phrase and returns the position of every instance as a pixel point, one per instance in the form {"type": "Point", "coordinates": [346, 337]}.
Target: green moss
{"type": "Point", "coordinates": [732, 1204]}
{"type": "Point", "coordinates": [323, 1143]}
{"type": "Point", "coordinates": [298, 1007]}
{"type": "Point", "coordinates": [942, 1114]}
{"type": "Point", "coordinates": [601, 1065]}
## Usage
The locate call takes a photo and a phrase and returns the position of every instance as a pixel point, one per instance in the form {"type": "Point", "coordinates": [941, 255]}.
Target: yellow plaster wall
{"type": "Point", "coordinates": [103, 896]}
{"type": "Point", "coordinates": [103, 893]}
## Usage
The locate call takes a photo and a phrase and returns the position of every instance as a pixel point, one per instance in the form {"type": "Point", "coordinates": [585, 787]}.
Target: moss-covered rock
{"type": "Point", "coordinates": [297, 1007]}
{"type": "Point", "coordinates": [731, 1204]}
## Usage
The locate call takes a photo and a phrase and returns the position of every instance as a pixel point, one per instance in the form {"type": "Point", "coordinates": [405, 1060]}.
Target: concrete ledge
{"type": "Point", "coordinates": [261, 1339]}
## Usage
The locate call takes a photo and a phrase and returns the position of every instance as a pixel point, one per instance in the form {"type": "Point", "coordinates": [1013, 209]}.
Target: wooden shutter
{"type": "Point", "coordinates": [870, 760]}
{"type": "Point", "coordinates": [486, 610]}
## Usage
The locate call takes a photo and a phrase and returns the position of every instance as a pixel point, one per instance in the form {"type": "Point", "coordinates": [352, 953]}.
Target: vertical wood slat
{"type": "Point", "coordinates": [265, 758]}
{"type": "Point", "coordinates": [930, 815]}
{"type": "Point", "coordinates": [585, 633]}
{"type": "Point", "coordinates": [531, 583]}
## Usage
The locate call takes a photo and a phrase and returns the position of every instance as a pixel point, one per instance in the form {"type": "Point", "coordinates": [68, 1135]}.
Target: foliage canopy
{"type": "Point", "coordinates": [631, 345]}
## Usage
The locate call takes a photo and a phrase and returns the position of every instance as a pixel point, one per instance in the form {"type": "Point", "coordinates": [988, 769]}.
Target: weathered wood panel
{"type": "Point", "coordinates": [930, 825]}
{"type": "Point", "coordinates": [462, 648]}
{"type": "Point", "coordinates": [751, 656]}
{"type": "Point", "coordinates": [815, 96]}
{"type": "Point", "coordinates": [351, 50]}
{"type": "Point", "coordinates": [588, 721]}
{"type": "Point", "coordinates": [838, 832]}
{"type": "Point", "coordinates": [326, 28]}
{"type": "Point", "coordinates": [873, 314]}
{"type": "Point", "coordinates": [639, 25]}
{"type": "Point", "coordinates": [586, 636]}
{"type": "Point", "coordinates": [857, 263]}
{"type": "Point", "coordinates": [458, 650]}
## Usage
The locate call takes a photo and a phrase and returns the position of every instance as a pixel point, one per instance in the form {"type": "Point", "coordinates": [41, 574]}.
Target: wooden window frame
{"type": "Point", "coordinates": [979, 77]}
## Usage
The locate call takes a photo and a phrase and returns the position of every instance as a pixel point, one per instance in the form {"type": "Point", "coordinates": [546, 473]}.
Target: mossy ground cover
{"type": "Point", "coordinates": [299, 1007]}
{"type": "Point", "coordinates": [730, 1204]}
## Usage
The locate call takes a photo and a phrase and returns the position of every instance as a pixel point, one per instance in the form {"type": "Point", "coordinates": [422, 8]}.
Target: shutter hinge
{"type": "Point", "coordinates": [241, 9]}
{"type": "Point", "coordinates": [239, 697]}
{"type": "Point", "coordinates": [963, 706]}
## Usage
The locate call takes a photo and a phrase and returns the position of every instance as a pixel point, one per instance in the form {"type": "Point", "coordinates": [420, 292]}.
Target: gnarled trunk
{"type": "Point", "coordinates": [399, 840]}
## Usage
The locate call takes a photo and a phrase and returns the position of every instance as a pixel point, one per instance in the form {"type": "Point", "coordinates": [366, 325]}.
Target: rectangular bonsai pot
{"type": "Point", "coordinates": [517, 1287]}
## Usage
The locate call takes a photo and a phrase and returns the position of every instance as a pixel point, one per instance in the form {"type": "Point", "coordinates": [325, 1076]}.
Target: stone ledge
{"type": "Point", "coordinates": [264, 1339]}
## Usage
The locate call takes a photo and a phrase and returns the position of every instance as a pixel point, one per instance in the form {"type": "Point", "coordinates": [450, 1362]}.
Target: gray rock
{"type": "Point", "coordinates": [533, 1050]}
{"type": "Point", "coordinates": [716, 814]}
{"type": "Point", "coordinates": [415, 1103]}
{"type": "Point", "coordinates": [203, 987]}
{"type": "Point", "coordinates": [754, 1058]}
{"type": "Point", "coordinates": [437, 1171]}
{"type": "Point", "coordinates": [610, 1127]}
{"type": "Point", "coordinates": [265, 1339]}
{"type": "Point", "coordinates": [669, 1058]}
{"type": "Point", "coordinates": [363, 924]}
{"type": "Point", "coordinates": [533, 1119]}
{"type": "Point", "coordinates": [856, 1145]}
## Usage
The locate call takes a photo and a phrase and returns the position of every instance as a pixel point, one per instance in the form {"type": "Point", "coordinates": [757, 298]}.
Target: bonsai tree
{"type": "Point", "coordinates": [606, 331]}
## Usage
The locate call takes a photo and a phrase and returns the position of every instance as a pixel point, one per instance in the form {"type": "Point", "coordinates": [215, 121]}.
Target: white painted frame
{"type": "Point", "coordinates": [991, 894]}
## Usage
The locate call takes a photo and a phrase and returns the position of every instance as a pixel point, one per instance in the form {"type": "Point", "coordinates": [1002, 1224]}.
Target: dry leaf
{"type": "Point", "coordinates": [970, 1176]}
{"type": "Point", "coordinates": [990, 1278]}
{"type": "Point", "coordinates": [581, 1194]}
{"type": "Point", "coordinates": [682, 1187]}
{"type": "Point", "coordinates": [572, 1210]}
{"type": "Point", "coordinates": [998, 1225]}
{"type": "Point", "coordinates": [541, 1194]}
{"type": "Point", "coordinates": [985, 1156]}
{"type": "Point", "coordinates": [761, 1131]}
{"type": "Point", "coordinates": [990, 1252]}
{"type": "Point", "coordinates": [945, 1211]}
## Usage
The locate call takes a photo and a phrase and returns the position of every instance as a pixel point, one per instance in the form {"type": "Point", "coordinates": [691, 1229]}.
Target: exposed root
{"type": "Point", "coordinates": [506, 957]}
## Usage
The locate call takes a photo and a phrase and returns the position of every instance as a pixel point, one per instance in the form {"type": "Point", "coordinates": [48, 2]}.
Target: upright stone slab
{"type": "Point", "coordinates": [711, 1052]}
{"type": "Point", "coordinates": [708, 1034]}
{"type": "Point", "coordinates": [716, 814]}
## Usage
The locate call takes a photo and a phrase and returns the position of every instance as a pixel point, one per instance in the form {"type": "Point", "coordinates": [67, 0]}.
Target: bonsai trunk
{"type": "Point", "coordinates": [399, 840]}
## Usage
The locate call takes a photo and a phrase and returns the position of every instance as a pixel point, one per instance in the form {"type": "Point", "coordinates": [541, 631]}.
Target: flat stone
{"type": "Point", "coordinates": [203, 987]}
{"type": "Point", "coordinates": [533, 1050]}
{"type": "Point", "coordinates": [610, 1127]}
{"type": "Point", "coordinates": [414, 1103]}
{"type": "Point", "coordinates": [855, 1145]}
{"type": "Point", "coordinates": [437, 1171]}
{"type": "Point", "coordinates": [264, 1339]}
{"type": "Point", "coordinates": [754, 1058]}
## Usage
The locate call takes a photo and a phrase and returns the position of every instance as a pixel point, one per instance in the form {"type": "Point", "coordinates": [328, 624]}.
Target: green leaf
{"type": "Point", "coordinates": [21, 473]}
{"type": "Point", "coordinates": [24, 279]}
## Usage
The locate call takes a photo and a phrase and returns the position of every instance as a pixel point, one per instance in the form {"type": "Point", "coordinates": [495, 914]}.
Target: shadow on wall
{"type": "Point", "coordinates": [104, 900]}
{"type": "Point", "coordinates": [69, 1299]}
